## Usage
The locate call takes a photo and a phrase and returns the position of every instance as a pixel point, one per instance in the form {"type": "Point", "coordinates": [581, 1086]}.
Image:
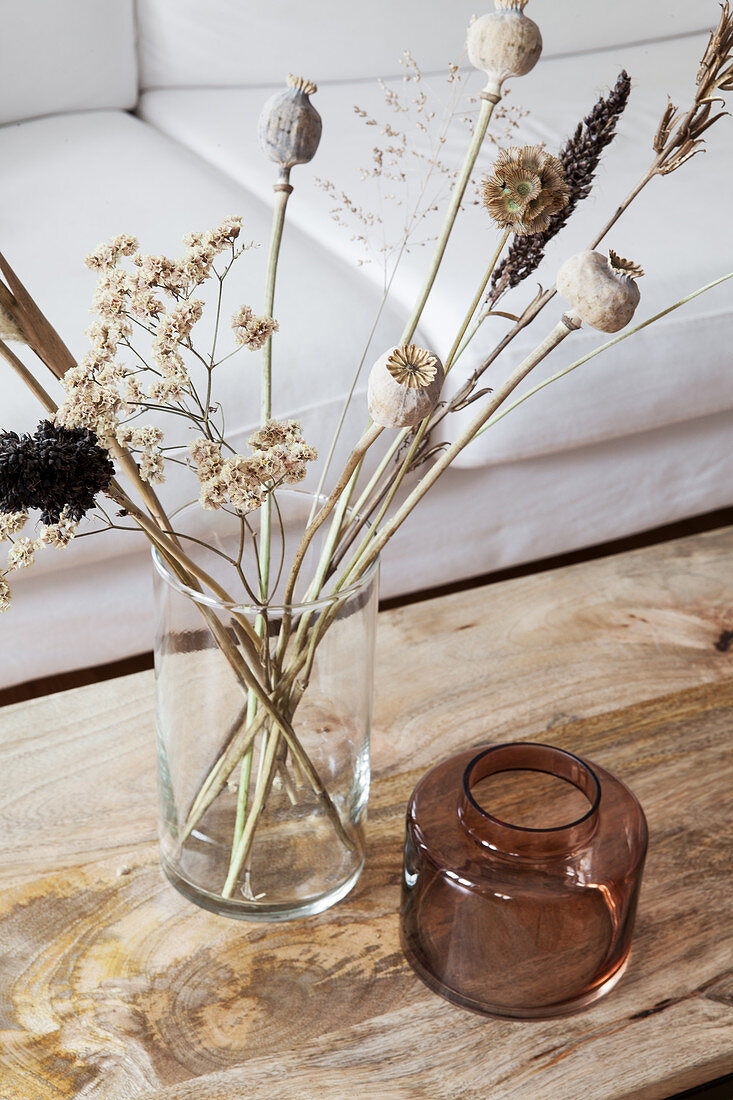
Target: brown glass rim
{"type": "Point", "coordinates": [526, 829]}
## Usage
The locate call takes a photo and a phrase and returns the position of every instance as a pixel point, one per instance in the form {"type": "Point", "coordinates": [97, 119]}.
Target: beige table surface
{"type": "Point", "coordinates": [113, 986]}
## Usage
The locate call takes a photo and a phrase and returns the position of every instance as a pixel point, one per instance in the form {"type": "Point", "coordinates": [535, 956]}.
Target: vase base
{"type": "Point", "coordinates": [263, 911]}
{"type": "Point", "coordinates": [523, 1012]}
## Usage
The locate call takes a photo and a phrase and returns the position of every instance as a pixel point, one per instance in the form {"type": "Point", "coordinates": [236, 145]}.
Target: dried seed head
{"type": "Point", "coordinates": [601, 289]}
{"type": "Point", "coordinates": [526, 189]}
{"type": "Point", "coordinates": [301, 84]}
{"type": "Point", "coordinates": [290, 126]}
{"type": "Point", "coordinates": [412, 366]}
{"type": "Point", "coordinates": [504, 43]}
{"type": "Point", "coordinates": [404, 386]}
{"type": "Point", "coordinates": [620, 266]}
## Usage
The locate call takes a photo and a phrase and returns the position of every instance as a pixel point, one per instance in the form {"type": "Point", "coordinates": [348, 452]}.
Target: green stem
{"type": "Point", "coordinates": [283, 191]}
{"type": "Point", "coordinates": [353, 462]}
{"type": "Point", "coordinates": [452, 354]}
{"type": "Point", "coordinates": [243, 841]}
{"type": "Point", "coordinates": [397, 481]}
{"type": "Point", "coordinates": [489, 98]}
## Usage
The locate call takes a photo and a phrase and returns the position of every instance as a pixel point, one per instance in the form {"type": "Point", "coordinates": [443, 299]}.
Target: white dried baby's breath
{"type": "Point", "coordinates": [58, 534]}
{"type": "Point", "coordinates": [12, 523]}
{"type": "Point", "coordinates": [22, 554]}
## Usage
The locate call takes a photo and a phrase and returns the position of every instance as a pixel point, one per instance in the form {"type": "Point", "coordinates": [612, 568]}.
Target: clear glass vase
{"type": "Point", "coordinates": [263, 795]}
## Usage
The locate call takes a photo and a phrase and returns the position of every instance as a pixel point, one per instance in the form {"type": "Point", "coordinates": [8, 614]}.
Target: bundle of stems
{"type": "Point", "coordinates": [273, 670]}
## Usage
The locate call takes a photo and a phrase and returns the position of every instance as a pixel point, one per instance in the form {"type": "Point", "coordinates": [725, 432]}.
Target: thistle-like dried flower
{"type": "Point", "coordinates": [404, 386]}
{"type": "Point", "coordinates": [526, 188]}
{"type": "Point", "coordinates": [580, 157]}
{"type": "Point", "coordinates": [504, 43]}
{"type": "Point", "coordinates": [58, 470]}
{"type": "Point", "coordinates": [601, 289]}
{"type": "Point", "coordinates": [290, 126]}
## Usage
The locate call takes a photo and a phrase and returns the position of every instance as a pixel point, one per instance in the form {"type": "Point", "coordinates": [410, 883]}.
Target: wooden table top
{"type": "Point", "coordinates": [113, 986]}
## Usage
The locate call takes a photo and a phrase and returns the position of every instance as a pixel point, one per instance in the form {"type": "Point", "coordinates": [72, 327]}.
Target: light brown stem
{"type": "Point", "coordinates": [370, 435]}
{"type": "Point", "coordinates": [649, 175]}
{"type": "Point", "coordinates": [22, 371]}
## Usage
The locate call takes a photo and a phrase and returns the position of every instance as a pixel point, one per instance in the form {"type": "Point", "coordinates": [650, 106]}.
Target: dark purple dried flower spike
{"type": "Point", "coordinates": [579, 157]}
{"type": "Point", "coordinates": [53, 469]}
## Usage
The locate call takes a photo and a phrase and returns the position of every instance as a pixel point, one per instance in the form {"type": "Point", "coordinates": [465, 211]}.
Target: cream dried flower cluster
{"type": "Point", "coordinates": [23, 550]}
{"type": "Point", "coordinates": [279, 455]}
{"type": "Point", "coordinates": [251, 330]}
{"type": "Point", "coordinates": [11, 523]}
{"type": "Point", "coordinates": [156, 295]}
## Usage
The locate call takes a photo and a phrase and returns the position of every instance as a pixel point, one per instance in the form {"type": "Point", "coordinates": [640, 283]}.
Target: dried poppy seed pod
{"type": "Point", "coordinates": [404, 386]}
{"type": "Point", "coordinates": [601, 289]}
{"type": "Point", "coordinates": [290, 127]}
{"type": "Point", "coordinates": [504, 43]}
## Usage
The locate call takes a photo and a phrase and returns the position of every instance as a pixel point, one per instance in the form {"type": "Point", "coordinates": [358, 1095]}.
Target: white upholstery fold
{"type": "Point", "coordinates": [66, 55]}
{"type": "Point", "coordinates": [186, 43]}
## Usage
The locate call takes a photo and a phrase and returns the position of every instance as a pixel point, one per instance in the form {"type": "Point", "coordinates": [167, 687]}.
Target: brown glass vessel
{"type": "Point", "coordinates": [511, 919]}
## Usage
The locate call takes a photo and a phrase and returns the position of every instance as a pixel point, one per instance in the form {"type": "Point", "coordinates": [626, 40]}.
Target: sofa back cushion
{"type": "Point", "coordinates": [242, 42]}
{"type": "Point", "coordinates": [66, 55]}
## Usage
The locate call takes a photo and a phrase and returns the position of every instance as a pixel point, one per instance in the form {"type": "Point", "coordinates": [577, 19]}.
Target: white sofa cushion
{"type": "Point", "coordinates": [675, 371]}
{"type": "Point", "coordinates": [227, 42]}
{"type": "Point", "coordinates": [66, 55]}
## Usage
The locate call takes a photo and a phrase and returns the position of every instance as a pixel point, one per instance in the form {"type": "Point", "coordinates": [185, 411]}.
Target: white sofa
{"type": "Point", "coordinates": [116, 117]}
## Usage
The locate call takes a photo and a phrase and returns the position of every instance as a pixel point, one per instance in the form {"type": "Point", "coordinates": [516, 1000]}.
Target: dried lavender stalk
{"type": "Point", "coordinates": [580, 157]}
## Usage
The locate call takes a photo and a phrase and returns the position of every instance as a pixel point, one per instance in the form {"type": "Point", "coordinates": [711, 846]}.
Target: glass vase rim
{"type": "Point", "coordinates": [255, 608]}
{"type": "Point", "coordinates": [527, 830]}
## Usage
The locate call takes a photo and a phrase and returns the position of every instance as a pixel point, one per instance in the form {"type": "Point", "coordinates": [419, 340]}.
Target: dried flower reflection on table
{"type": "Point", "coordinates": [270, 596]}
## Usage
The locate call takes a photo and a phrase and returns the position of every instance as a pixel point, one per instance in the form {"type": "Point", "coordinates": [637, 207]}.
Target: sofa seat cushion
{"type": "Point", "coordinates": [676, 370]}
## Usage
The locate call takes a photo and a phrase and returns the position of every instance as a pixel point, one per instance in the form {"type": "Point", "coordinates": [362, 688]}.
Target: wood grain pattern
{"type": "Point", "coordinates": [113, 987]}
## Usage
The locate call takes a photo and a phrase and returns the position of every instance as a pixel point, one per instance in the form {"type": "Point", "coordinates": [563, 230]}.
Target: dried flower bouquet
{"type": "Point", "coordinates": [147, 311]}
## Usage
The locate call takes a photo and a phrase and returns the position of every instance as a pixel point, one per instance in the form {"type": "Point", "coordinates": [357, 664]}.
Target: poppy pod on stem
{"type": "Point", "coordinates": [404, 386]}
{"type": "Point", "coordinates": [504, 43]}
{"type": "Point", "coordinates": [290, 126]}
{"type": "Point", "coordinates": [601, 289]}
